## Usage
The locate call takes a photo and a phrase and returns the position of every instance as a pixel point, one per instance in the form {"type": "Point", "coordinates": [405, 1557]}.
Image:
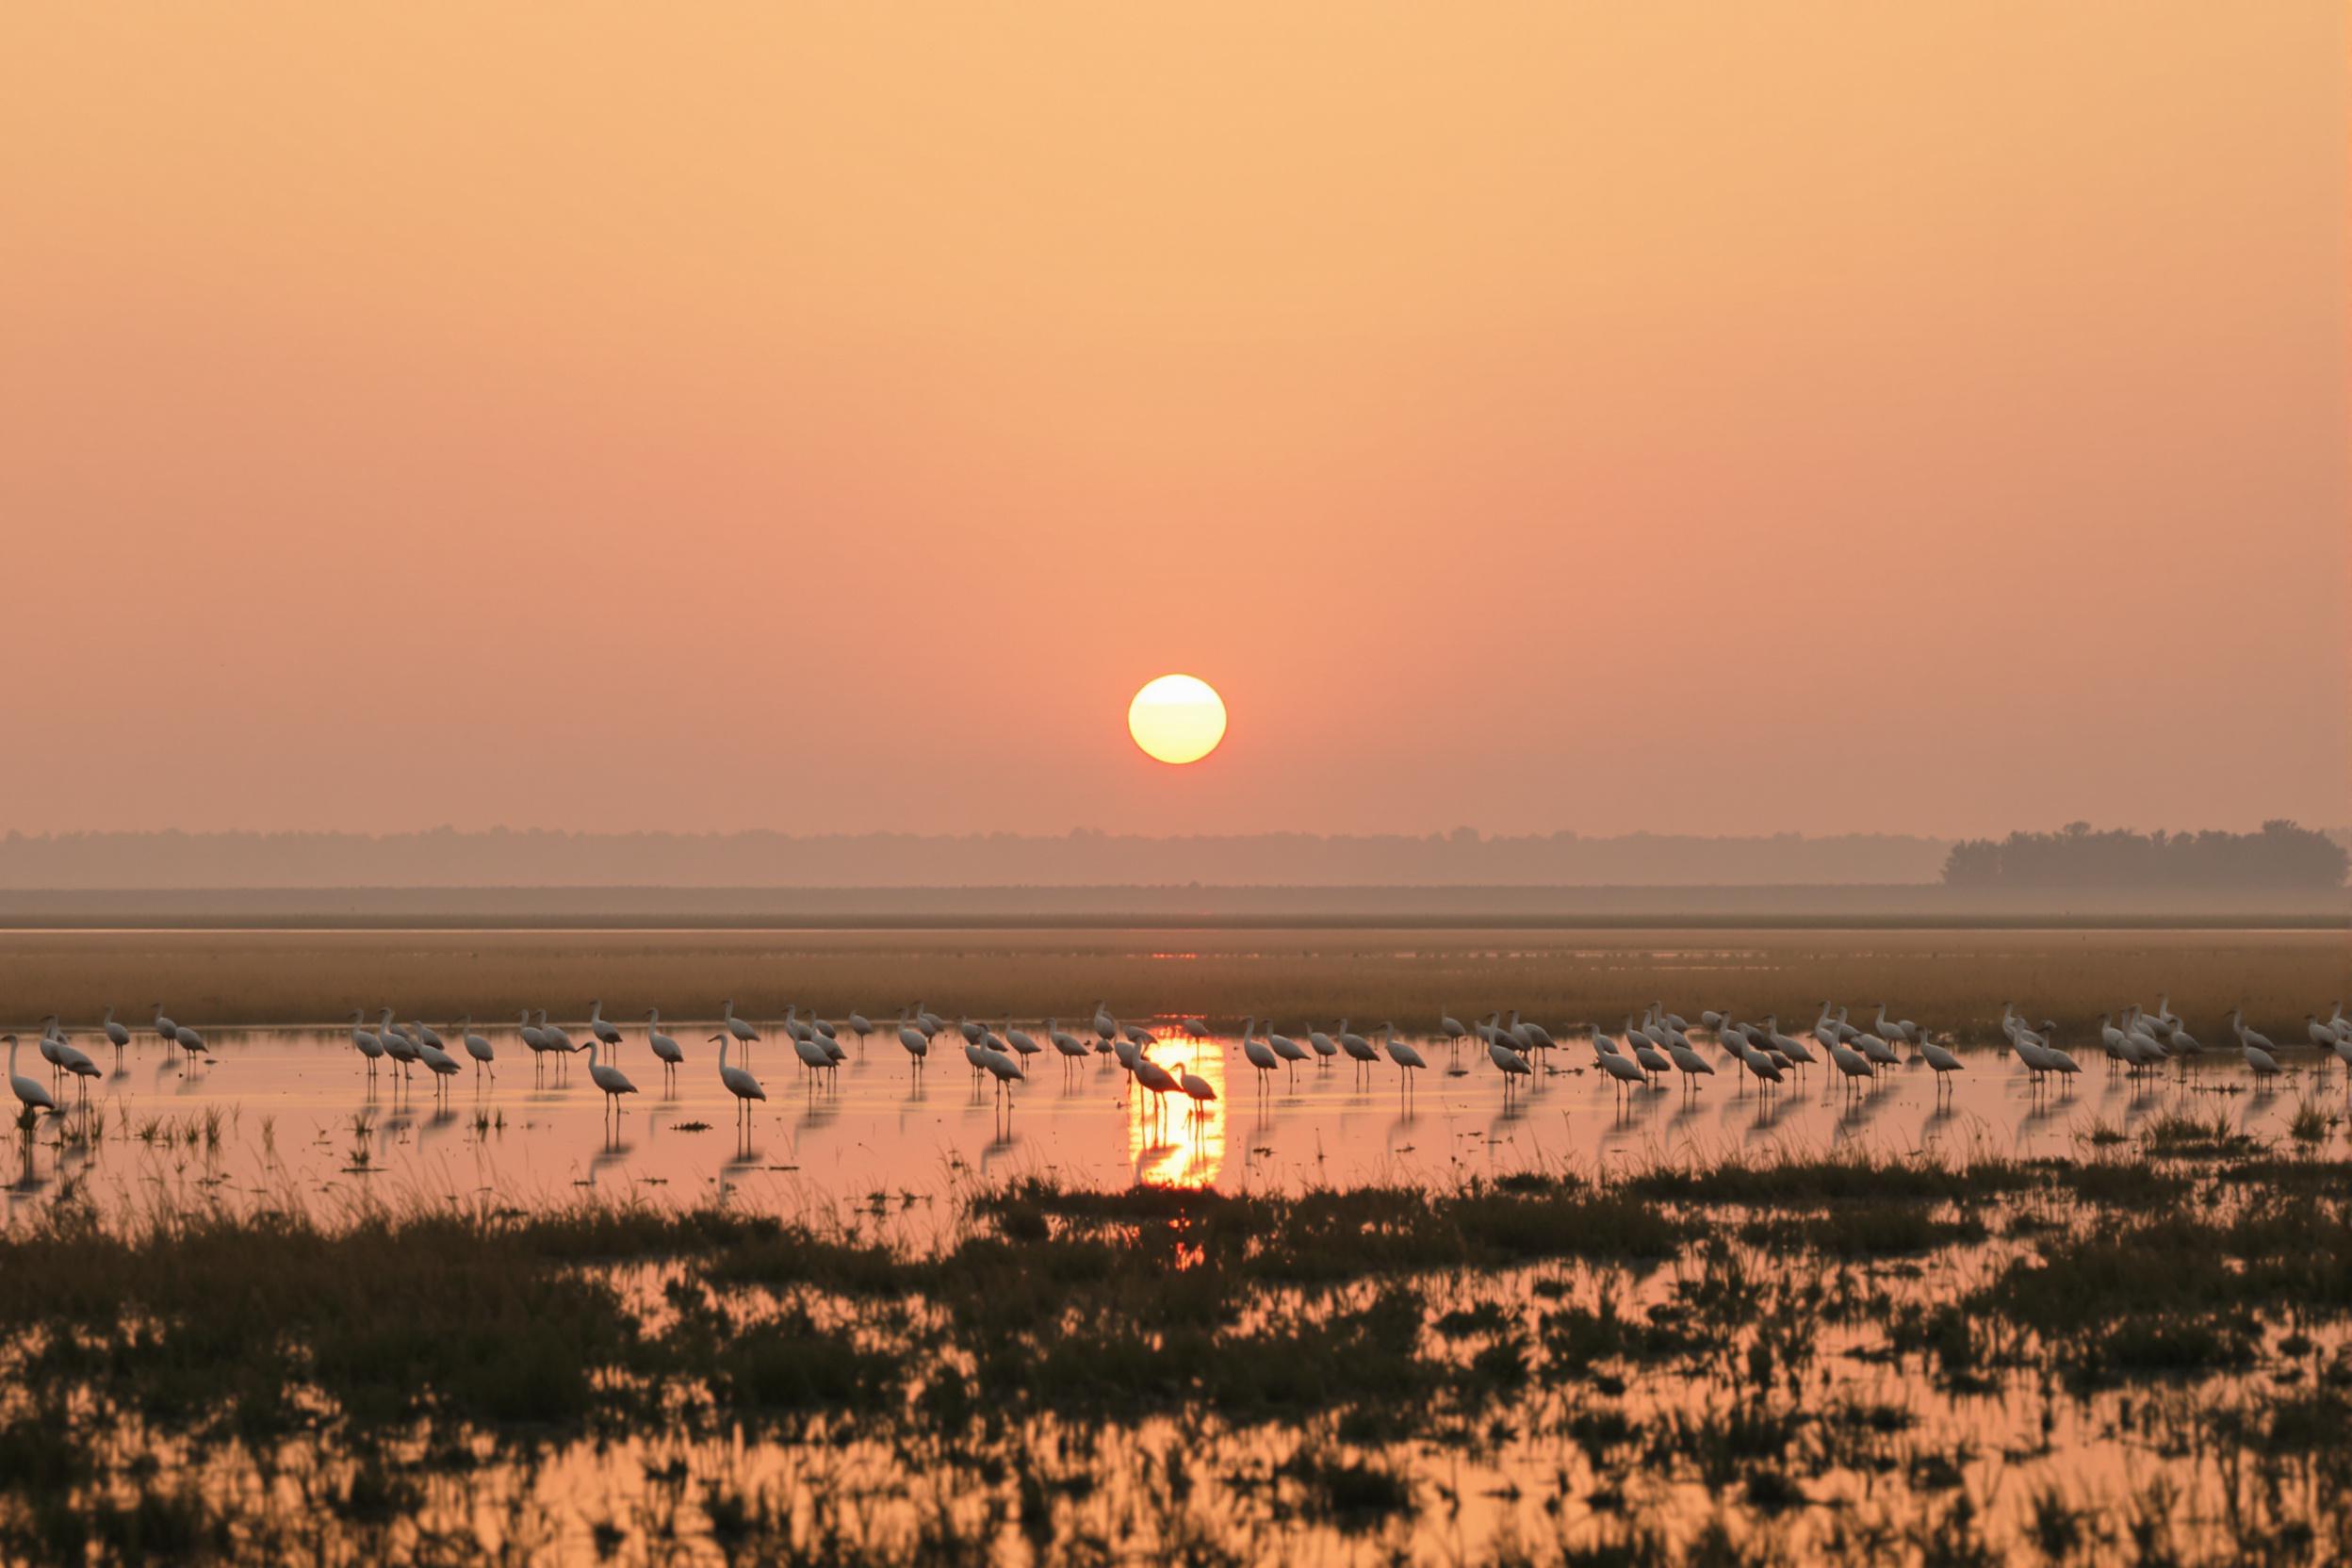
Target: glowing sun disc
{"type": "Point", "coordinates": [1177, 718]}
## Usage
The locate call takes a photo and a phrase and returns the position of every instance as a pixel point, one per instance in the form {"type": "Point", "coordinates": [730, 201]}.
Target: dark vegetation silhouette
{"type": "Point", "coordinates": [2281, 856]}
{"type": "Point", "coordinates": [502, 857]}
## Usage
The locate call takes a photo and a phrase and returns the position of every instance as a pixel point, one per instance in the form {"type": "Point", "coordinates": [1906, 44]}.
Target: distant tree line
{"type": "Point", "coordinates": [500, 857]}
{"type": "Point", "coordinates": [2283, 855]}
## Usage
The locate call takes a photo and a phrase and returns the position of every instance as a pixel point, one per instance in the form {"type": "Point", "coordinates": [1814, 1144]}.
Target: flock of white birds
{"type": "Point", "coordinates": [1643, 1053]}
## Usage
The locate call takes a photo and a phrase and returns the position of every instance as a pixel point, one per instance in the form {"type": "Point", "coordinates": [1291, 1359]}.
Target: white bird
{"type": "Point", "coordinates": [1901, 1029]}
{"type": "Point", "coordinates": [560, 1042]}
{"type": "Point", "coordinates": [1005, 1070]}
{"type": "Point", "coordinates": [165, 1030]}
{"type": "Point", "coordinates": [2246, 1035]}
{"type": "Point", "coordinates": [1066, 1045]}
{"type": "Point", "coordinates": [1787, 1045]}
{"type": "Point", "coordinates": [741, 1085]}
{"type": "Point", "coordinates": [813, 1055]}
{"type": "Point", "coordinates": [51, 1047]}
{"type": "Point", "coordinates": [1878, 1050]}
{"type": "Point", "coordinates": [1259, 1055]}
{"type": "Point", "coordinates": [1622, 1069]}
{"type": "Point", "coordinates": [1358, 1049]}
{"type": "Point", "coordinates": [2259, 1062]}
{"type": "Point", "coordinates": [1198, 1090]}
{"type": "Point", "coordinates": [860, 1026]}
{"type": "Point", "coordinates": [918, 1044]}
{"type": "Point", "coordinates": [1691, 1064]}
{"type": "Point", "coordinates": [537, 1039]}
{"type": "Point", "coordinates": [741, 1032]}
{"type": "Point", "coordinates": [1763, 1066]}
{"type": "Point", "coordinates": [71, 1058]}
{"type": "Point", "coordinates": [1105, 1024]}
{"type": "Point", "coordinates": [1324, 1046]}
{"type": "Point", "coordinates": [29, 1092]}
{"type": "Point", "coordinates": [477, 1046]}
{"type": "Point", "coordinates": [1652, 1060]}
{"type": "Point", "coordinates": [2111, 1040]}
{"type": "Point", "coordinates": [439, 1062]}
{"type": "Point", "coordinates": [118, 1037]}
{"type": "Point", "coordinates": [426, 1037]}
{"type": "Point", "coordinates": [1450, 1026]}
{"type": "Point", "coordinates": [606, 1034]}
{"type": "Point", "coordinates": [1945, 1062]}
{"type": "Point", "coordinates": [1152, 1076]}
{"type": "Point", "coordinates": [1847, 1061]}
{"type": "Point", "coordinates": [1287, 1049]}
{"type": "Point", "coordinates": [1408, 1060]}
{"type": "Point", "coordinates": [1019, 1040]}
{"type": "Point", "coordinates": [397, 1044]}
{"type": "Point", "coordinates": [610, 1079]}
{"type": "Point", "coordinates": [665, 1049]}
{"type": "Point", "coordinates": [1509, 1062]}
{"type": "Point", "coordinates": [364, 1040]}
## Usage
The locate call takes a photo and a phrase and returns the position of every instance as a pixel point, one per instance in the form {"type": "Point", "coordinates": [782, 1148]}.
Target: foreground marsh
{"type": "Point", "coordinates": [2137, 1356]}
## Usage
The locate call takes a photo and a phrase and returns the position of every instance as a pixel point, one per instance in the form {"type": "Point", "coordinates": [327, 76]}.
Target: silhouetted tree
{"type": "Point", "coordinates": [2283, 855]}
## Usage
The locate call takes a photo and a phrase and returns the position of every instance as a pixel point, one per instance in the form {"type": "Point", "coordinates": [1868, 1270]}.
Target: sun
{"type": "Point", "coordinates": [1177, 718]}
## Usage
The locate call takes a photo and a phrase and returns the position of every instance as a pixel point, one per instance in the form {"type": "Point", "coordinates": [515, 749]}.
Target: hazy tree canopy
{"type": "Point", "coordinates": [2283, 855]}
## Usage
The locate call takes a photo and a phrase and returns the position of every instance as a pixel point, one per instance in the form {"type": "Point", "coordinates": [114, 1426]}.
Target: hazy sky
{"type": "Point", "coordinates": [1714, 416]}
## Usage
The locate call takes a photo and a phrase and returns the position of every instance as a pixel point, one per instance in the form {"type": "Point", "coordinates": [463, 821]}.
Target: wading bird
{"type": "Point", "coordinates": [610, 1079]}
{"type": "Point", "coordinates": [478, 1047]}
{"type": "Point", "coordinates": [665, 1050]}
{"type": "Point", "coordinates": [1943, 1061]}
{"type": "Point", "coordinates": [741, 1085]}
{"type": "Point", "coordinates": [28, 1091]}
{"type": "Point", "coordinates": [363, 1039]}
{"type": "Point", "coordinates": [1408, 1060]}
{"type": "Point", "coordinates": [741, 1032]}
{"type": "Point", "coordinates": [1258, 1055]}
{"type": "Point", "coordinates": [1512, 1064]}
{"type": "Point", "coordinates": [918, 1044]}
{"type": "Point", "coordinates": [1160, 1081]}
{"type": "Point", "coordinates": [1197, 1088]}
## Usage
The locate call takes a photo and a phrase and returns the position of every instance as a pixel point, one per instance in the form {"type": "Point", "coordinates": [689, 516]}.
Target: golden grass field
{"type": "Point", "coordinates": [1949, 980]}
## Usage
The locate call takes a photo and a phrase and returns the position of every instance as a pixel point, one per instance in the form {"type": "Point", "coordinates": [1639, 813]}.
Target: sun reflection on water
{"type": "Point", "coordinates": [1178, 1146]}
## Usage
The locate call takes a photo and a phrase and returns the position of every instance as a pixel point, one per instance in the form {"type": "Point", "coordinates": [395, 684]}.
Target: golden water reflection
{"type": "Point", "coordinates": [1179, 1144]}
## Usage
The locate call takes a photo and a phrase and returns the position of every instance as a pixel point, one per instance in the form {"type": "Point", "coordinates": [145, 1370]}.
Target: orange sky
{"type": "Point", "coordinates": [1695, 416]}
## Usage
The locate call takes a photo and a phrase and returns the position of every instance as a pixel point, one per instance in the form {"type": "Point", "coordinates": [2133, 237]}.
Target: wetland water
{"type": "Point", "coordinates": [256, 1308]}
{"type": "Point", "coordinates": [292, 1114]}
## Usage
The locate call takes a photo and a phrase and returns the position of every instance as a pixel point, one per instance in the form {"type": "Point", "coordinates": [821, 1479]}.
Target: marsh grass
{"type": "Point", "coordinates": [1952, 979]}
{"type": "Point", "coordinates": [1206, 1377]}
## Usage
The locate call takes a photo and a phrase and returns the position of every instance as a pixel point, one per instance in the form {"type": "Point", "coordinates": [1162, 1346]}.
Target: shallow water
{"type": "Point", "coordinates": [291, 1114]}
